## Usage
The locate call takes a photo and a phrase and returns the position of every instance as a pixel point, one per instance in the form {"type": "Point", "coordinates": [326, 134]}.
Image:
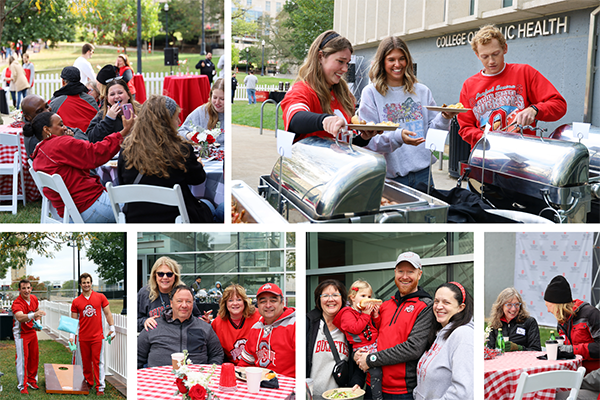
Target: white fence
{"type": "Point", "coordinates": [241, 94]}
{"type": "Point", "coordinates": [116, 352]}
{"type": "Point", "coordinates": [46, 84]}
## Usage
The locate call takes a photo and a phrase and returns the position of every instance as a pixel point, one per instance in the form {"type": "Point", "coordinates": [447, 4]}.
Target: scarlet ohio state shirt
{"type": "Point", "coordinates": [90, 316]}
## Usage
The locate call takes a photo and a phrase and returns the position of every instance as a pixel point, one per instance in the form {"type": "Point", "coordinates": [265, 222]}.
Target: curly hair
{"type": "Point", "coordinates": [154, 145]}
{"type": "Point", "coordinates": [213, 115]}
{"type": "Point", "coordinates": [123, 84]}
{"type": "Point", "coordinates": [173, 266]}
{"type": "Point", "coordinates": [498, 307]}
{"type": "Point", "coordinates": [241, 293]}
{"type": "Point", "coordinates": [311, 72]}
{"type": "Point", "coordinates": [485, 35]}
{"type": "Point", "coordinates": [377, 73]}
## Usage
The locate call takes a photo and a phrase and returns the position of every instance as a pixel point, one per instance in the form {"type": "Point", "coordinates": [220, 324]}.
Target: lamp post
{"type": "Point", "coordinates": [262, 69]}
{"type": "Point", "coordinates": [139, 36]}
{"type": "Point", "coordinates": [167, 26]}
{"type": "Point", "coordinates": [203, 48]}
{"type": "Point", "coordinates": [247, 52]}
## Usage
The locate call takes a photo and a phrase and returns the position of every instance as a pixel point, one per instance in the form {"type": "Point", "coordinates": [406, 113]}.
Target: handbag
{"type": "Point", "coordinates": [340, 370]}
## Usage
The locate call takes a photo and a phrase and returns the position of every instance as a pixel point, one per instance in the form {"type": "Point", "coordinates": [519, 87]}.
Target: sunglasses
{"type": "Point", "coordinates": [117, 78]}
{"type": "Point", "coordinates": [162, 274]}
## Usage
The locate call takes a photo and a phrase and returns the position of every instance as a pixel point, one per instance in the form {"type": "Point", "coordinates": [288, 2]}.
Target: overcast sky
{"type": "Point", "coordinates": [57, 269]}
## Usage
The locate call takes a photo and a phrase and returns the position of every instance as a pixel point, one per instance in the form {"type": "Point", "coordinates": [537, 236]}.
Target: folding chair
{"type": "Point", "coordinates": [550, 380]}
{"type": "Point", "coordinates": [14, 168]}
{"type": "Point", "coordinates": [123, 194]}
{"type": "Point", "coordinates": [56, 183]}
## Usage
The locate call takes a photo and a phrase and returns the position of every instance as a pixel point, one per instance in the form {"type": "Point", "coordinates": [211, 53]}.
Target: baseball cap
{"type": "Point", "coordinates": [412, 258]}
{"type": "Point", "coordinates": [269, 288]}
{"type": "Point", "coordinates": [70, 74]}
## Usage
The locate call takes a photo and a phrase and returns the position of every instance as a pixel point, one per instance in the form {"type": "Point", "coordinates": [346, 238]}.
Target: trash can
{"type": "Point", "coordinates": [459, 150]}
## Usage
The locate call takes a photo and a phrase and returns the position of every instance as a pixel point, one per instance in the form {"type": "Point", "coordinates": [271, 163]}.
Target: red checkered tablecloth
{"type": "Point", "coordinates": [6, 156]}
{"type": "Point", "coordinates": [159, 383]}
{"type": "Point", "coordinates": [502, 373]}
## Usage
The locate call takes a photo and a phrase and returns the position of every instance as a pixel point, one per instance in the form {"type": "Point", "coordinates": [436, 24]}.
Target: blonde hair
{"type": "Point", "coordinates": [311, 72]}
{"type": "Point", "coordinates": [356, 287]}
{"type": "Point", "coordinates": [498, 307]}
{"type": "Point", "coordinates": [563, 311]}
{"type": "Point", "coordinates": [377, 73]}
{"type": "Point", "coordinates": [213, 115]}
{"type": "Point", "coordinates": [173, 266]}
{"type": "Point", "coordinates": [154, 145]}
{"type": "Point", "coordinates": [485, 35]}
{"type": "Point", "coordinates": [227, 294]}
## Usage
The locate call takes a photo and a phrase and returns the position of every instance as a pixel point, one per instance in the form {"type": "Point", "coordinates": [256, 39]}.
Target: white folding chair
{"type": "Point", "coordinates": [550, 380]}
{"type": "Point", "coordinates": [123, 194]}
{"type": "Point", "coordinates": [49, 213]}
{"type": "Point", "coordinates": [14, 168]}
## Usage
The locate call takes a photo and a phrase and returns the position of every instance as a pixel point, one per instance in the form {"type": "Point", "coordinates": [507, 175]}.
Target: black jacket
{"type": "Point", "coordinates": [101, 126]}
{"type": "Point", "coordinates": [526, 334]}
{"type": "Point", "coordinates": [207, 69]}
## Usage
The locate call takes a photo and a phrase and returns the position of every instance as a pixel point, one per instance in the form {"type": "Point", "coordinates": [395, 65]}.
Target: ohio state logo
{"type": "Point", "coordinates": [89, 311]}
{"type": "Point", "coordinates": [238, 349]}
{"type": "Point", "coordinates": [265, 355]}
{"type": "Point", "coordinates": [410, 308]}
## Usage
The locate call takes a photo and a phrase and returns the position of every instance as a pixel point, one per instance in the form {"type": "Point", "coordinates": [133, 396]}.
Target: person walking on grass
{"type": "Point", "coordinates": [250, 82]}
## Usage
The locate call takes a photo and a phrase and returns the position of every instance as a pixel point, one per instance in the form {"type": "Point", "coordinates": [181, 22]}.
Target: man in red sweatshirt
{"type": "Point", "coordinates": [272, 340]}
{"type": "Point", "coordinates": [502, 94]}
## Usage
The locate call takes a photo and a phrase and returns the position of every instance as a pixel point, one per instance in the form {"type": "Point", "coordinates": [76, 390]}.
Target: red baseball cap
{"type": "Point", "coordinates": [269, 288]}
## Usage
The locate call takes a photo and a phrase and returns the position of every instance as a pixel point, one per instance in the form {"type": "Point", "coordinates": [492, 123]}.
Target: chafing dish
{"type": "Point", "coordinates": [532, 174]}
{"type": "Point", "coordinates": [254, 207]}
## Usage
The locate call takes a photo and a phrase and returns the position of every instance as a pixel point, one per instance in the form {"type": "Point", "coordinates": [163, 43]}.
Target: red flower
{"type": "Point", "coordinates": [197, 392]}
{"type": "Point", "coordinates": [195, 137]}
{"type": "Point", "coordinates": [181, 386]}
{"type": "Point", "coordinates": [210, 139]}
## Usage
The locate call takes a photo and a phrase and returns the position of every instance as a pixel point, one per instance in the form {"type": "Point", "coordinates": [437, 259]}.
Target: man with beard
{"type": "Point", "coordinates": [403, 334]}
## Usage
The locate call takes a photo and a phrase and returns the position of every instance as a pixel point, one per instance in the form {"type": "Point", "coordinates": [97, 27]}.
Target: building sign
{"type": "Point", "coordinates": [531, 29]}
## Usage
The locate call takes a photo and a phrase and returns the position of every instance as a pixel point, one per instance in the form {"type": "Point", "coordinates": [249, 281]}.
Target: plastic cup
{"type": "Point", "coordinates": [560, 340]}
{"type": "Point", "coordinates": [227, 378]}
{"type": "Point", "coordinates": [551, 349]}
{"type": "Point", "coordinates": [253, 378]}
{"type": "Point", "coordinates": [175, 359]}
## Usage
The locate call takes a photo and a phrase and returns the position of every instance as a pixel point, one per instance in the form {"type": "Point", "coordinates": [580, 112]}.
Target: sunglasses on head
{"type": "Point", "coordinates": [117, 78]}
{"type": "Point", "coordinates": [162, 274]}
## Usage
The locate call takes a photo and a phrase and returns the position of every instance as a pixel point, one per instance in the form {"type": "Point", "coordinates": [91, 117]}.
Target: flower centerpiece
{"type": "Point", "coordinates": [193, 385]}
{"type": "Point", "coordinates": [205, 140]}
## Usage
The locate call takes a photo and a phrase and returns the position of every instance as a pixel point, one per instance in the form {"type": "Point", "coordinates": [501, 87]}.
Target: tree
{"type": "Point", "coordinates": [37, 285]}
{"type": "Point", "coordinates": [107, 251]}
{"type": "Point", "coordinates": [71, 284]}
{"type": "Point", "coordinates": [14, 246]}
{"type": "Point", "coordinates": [306, 20]}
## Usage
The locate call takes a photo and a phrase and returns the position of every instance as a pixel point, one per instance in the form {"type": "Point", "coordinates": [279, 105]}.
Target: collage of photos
{"type": "Point", "coordinates": [288, 176]}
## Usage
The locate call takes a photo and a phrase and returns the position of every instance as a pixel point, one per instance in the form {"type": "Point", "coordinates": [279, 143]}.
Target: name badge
{"type": "Point", "coordinates": [521, 331]}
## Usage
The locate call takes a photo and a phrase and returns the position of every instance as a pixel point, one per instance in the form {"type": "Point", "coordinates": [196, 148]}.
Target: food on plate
{"type": "Point", "coordinates": [270, 375]}
{"type": "Point", "coordinates": [340, 394]}
{"type": "Point", "coordinates": [457, 105]}
{"type": "Point", "coordinates": [357, 121]}
{"type": "Point", "coordinates": [364, 302]}
{"type": "Point", "coordinates": [388, 202]}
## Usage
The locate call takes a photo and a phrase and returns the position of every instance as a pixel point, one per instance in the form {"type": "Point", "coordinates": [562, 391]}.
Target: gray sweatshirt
{"type": "Point", "coordinates": [198, 119]}
{"type": "Point", "coordinates": [409, 111]}
{"type": "Point", "coordinates": [170, 336]}
{"type": "Point", "coordinates": [445, 371]}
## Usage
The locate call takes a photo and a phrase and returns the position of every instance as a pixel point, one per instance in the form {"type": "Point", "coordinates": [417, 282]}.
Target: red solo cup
{"type": "Point", "coordinates": [227, 379]}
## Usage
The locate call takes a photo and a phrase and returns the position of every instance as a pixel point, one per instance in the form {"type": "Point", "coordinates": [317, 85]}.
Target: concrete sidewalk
{"type": "Point", "coordinates": [255, 155]}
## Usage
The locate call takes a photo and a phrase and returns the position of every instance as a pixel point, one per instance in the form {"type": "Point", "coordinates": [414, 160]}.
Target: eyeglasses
{"type": "Point", "coordinates": [162, 274]}
{"type": "Point", "coordinates": [330, 296]}
{"type": "Point", "coordinates": [512, 305]}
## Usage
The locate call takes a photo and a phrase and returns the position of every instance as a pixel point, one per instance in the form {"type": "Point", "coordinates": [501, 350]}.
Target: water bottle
{"type": "Point", "coordinates": [552, 337]}
{"type": "Point", "coordinates": [500, 340]}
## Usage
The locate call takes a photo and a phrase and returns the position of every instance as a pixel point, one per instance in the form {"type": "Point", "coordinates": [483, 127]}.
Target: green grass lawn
{"type": "Point", "coordinates": [243, 113]}
{"type": "Point", "coordinates": [51, 352]}
{"type": "Point", "coordinates": [30, 213]}
{"type": "Point", "coordinates": [262, 80]}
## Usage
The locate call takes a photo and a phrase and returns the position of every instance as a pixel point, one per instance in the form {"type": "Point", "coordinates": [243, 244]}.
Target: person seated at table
{"type": "Point", "coordinates": [155, 154]}
{"type": "Point", "coordinates": [33, 105]}
{"type": "Point", "coordinates": [59, 153]}
{"type": "Point", "coordinates": [510, 313]}
{"type": "Point", "coordinates": [153, 298]}
{"type": "Point", "coordinates": [177, 330]}
{"type": "Point", "coordinates": [578, 322]}
{"type": "Point", "coordinates": [272, 340]}
{"type": "Point", "coordinates": [208, 115]}
{"type": "Point", "coordinates": [445, 371]}
{"type": "Point", "coordinates": [72, 101]}
{"type": "Point", "coordinates": [125, 70]}
{"type": "Point", "coordinates": [232, 325]}
{"type": "Point", "coordinates": [108, 119]}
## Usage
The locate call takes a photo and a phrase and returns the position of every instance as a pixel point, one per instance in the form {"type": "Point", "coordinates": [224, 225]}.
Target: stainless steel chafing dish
{"type": "Point", "coordinates": [327, 181]}
{"type": "Point", "coordinates": [542, 176]}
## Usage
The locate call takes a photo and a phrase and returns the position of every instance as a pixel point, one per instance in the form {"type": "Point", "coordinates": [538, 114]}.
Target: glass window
{"type": "Point", "coordinates": [249, 3]}
{"type": "Point", "coordinates": [267, 6]}
{"type": "Point", "coordinates": [277, 7]}
{"type": "Point", "coordinates": [261, 240]}
{"type": "Point", "coordinates": [472, 7]}
{"type": "Point", "coordinates": [507, 3]}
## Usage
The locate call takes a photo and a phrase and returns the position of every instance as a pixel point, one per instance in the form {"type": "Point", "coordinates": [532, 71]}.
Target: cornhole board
{"type": "Point", "coordinates": [65, 379]}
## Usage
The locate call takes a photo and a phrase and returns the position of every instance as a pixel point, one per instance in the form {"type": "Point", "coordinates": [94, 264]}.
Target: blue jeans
{"type": "Point", "coordinates": [100, 212]}
{"type": "Point", "coordinates": [414, 177]}
{"type": "Point", "coordinates": [388, 396]}
{"type": "Point", "coordinates": [251, 96]}
{"type": "Point", "coordinates": [21, 95]}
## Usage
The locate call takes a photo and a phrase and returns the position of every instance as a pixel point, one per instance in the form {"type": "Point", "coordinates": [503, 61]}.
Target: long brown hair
{"type": "Point", "coordinates": [311, 72]}
{"type": "Point", "coordinates": [154, 146]}
{"type": "Point", "coordinates": [123, 84]}
{"type": "Point", "coordinates": [213, 115]}
{"type": "Point", "coordinates": [377, 73]}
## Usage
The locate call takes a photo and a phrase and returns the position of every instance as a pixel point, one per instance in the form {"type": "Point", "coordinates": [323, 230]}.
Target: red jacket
{"type": "Point", "coordinates": [130, 84]}
{"type": "Point", "coordinates": [582, 331]}
{"type": "Point", "coordinates": [233, 340]}
{"type": "Point", "coordinates": [354, 325]}
{"type": "Point", "coordinates": [273, 346]}
{"type": "Point", "coordinates": [72, 159]}
{"type": "Point", "coordinates": [24, 328]}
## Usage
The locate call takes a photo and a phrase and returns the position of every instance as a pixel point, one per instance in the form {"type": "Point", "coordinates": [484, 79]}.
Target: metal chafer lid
{"type": "Point", "coordinates": [565, 132]}
{"type": "Point", "coordinates": [325, 178]}
{"type": "Point", "coordinates": [548, 161]}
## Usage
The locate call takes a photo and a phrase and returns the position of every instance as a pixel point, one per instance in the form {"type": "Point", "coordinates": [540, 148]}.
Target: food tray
{"type": "Point", "coordinates": [362, 127]}
{"type": "Point", "coordinates": [343, 393]}
{"type": "Point", "coordinates": [449, 109]}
